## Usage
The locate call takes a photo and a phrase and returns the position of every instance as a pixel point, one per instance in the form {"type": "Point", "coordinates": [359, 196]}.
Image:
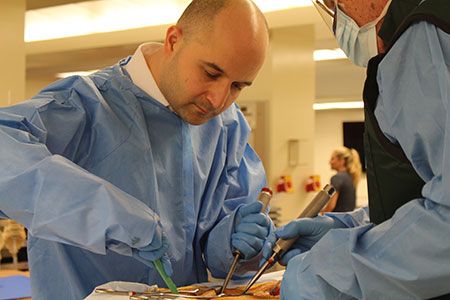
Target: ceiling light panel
{"type": "Point", "coordinates": [338, 105]}
{"type": "Point", "coordinates": [329, 54]}
{"type": "Point", "coordinates": [99, 16]}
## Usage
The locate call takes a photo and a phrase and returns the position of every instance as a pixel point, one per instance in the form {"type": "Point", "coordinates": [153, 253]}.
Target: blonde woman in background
{"type": "Point", "coordinates": [348, 166]}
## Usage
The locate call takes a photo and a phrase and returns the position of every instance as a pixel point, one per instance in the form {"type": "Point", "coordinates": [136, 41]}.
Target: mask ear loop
{"type": "Point", "coordinates": [334, 19]}
{"type": "Point", "coordinates": [325, 13]}
{"type": "Point", "coordinates": [384, 11]}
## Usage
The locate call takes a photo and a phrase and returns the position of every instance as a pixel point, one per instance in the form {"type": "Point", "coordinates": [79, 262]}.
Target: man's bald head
{"type": "Point", "coordinates": [215, 50]}
{"type": "Point", "coordinates": [198, 18]}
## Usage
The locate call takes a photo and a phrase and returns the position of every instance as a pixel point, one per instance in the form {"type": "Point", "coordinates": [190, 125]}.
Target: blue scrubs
{"type": "Point", "coordinates": [92, 165]}
{"type": "Point", "coordinates": [407, 256]}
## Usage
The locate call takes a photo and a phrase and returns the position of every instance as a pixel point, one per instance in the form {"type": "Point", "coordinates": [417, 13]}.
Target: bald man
{"type": "Point", "coordinates": [144, 160]}
{"type": "Point", "coordinates": [398, 248]}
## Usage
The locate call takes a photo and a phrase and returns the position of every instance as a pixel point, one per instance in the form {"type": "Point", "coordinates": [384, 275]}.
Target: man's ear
{"type": "Point", "coordinates": [173, 38]}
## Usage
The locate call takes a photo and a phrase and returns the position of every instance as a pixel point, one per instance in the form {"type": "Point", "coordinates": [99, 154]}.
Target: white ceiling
{"type": "Point", "coordinates": [35, 4]}
{"type": "Point", "coordinates": [336, 80]}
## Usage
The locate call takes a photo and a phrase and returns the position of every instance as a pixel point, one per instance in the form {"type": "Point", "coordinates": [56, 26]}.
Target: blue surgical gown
{"type": "Point", "coordinates": [407, 256]}
{"type": "Point", "coordinates": [91, 164]}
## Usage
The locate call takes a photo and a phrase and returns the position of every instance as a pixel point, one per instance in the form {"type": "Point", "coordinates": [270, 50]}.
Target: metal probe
{"type": "Point", "coordinates": [264, 196]}
{"type": "Point", "coordinates": [281, 246]}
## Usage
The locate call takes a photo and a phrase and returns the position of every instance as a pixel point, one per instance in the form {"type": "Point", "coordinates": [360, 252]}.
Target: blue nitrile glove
{"type": "Point", "coordinates": [309, 231]}
{"type": "Point", "coordinates": [157, 249]}
{"type": "Point", "coordinates": [250, 230]}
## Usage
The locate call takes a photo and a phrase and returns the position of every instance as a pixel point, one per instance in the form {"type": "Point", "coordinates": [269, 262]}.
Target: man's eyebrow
{"type": "Point", "coordinates": [214, 66]}
{"type": "Point", "coordinates": [220, 70]}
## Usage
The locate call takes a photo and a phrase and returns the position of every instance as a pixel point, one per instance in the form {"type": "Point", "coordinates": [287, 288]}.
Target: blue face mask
{"type": "Point", "coordinates": [358, 43]}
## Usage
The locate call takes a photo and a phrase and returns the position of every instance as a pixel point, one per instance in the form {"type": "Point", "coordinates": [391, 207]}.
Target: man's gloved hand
{"type": "Point", "coordinates": [250, 230]}
{"type": "Point", "coordinates": [157, 249]}
{"type": "Point", "coordinates": [309, 231]}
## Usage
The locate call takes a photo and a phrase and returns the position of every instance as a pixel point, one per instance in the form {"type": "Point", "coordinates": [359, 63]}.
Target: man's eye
{"type": "Point", "coordinates": [211, 75]}
{"type": "Point", "coordinates": [237, 86]}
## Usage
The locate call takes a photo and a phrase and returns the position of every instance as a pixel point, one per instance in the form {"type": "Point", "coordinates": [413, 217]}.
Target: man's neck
{"type": "Point", "coordinates": [154, 64]}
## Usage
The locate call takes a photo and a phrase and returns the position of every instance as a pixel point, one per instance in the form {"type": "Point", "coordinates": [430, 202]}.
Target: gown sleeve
{"type": "Point", "coordinates": [244, 177]}
{"type": "Point", "coordinates": [54, 198]}
{"type": "Point", "coordinates": [405, 257]}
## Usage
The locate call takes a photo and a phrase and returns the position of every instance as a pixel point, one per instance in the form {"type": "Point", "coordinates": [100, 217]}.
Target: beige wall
{"type": "Point", "coordinates": [287, 83]}
{"type": "Point", "coordinates": [34, 86]}
{"type": "Point", "coordinates": [12, 51]}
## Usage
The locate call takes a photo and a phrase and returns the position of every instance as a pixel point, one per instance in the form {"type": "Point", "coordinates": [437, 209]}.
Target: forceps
{"type": "Point", "coordinates": [158, 295]}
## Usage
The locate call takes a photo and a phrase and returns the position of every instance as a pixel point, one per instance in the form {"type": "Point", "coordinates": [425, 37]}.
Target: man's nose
{"type": "Point", "coordinates": [218, 94]}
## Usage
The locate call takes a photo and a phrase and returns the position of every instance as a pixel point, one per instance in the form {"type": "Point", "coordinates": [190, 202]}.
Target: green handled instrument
{"type": "Point", "coordinates": [169, 282]}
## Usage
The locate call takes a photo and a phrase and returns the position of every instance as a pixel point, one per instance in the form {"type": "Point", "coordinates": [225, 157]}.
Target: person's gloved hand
{"type": "Point", "coordinates": [309, 231]}
{"type": "Point", "coordinates": [251, 229]}
{"type": "Point", "coordinates": [157, 249]}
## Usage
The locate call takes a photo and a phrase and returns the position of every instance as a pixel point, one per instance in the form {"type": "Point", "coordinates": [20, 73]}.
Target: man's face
{"type": "Point", "coordinates": [203, 77]}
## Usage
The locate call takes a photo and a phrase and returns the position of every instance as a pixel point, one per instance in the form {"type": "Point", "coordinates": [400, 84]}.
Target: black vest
{"type": "Point", "coordinates": [392, 181]}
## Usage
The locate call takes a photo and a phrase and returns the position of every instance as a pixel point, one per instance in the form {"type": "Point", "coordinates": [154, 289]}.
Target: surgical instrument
{"type": "Point", "coordinates": [264, 196]}
{"type": "Point", "coordinates": [281, 246]}
{"type": "Point", "coordinates": [169, 282]}
{"type": "Point", "coordinates": [155, 294]}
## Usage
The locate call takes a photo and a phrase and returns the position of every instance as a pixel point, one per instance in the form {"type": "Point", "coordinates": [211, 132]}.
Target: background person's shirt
{"type": "Point", "coordinates": [343, 183]}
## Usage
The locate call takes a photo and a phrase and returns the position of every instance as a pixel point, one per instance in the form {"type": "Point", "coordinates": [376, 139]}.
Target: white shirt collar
{"type": "Point", "coordinates": [140, 73]}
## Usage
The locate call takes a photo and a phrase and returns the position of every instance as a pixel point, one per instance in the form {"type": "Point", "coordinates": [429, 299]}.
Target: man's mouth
{"type": "Point", "coordinates": [202, 110]}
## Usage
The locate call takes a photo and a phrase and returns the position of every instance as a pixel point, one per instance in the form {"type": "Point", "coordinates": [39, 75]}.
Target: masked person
{"type": "Point", "coordinates": [399, 248]}
{"type": "Point", "coordinates": [144, 160]}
